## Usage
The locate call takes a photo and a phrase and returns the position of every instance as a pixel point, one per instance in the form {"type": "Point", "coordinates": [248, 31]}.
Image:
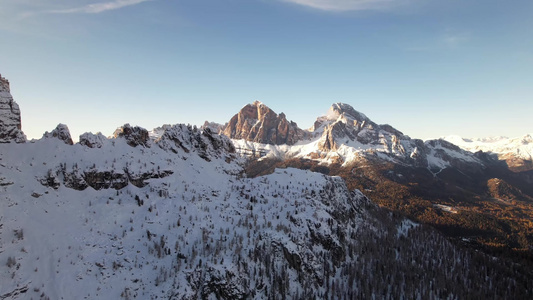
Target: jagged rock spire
{"type": "Point", "coordinates": [10, 121]}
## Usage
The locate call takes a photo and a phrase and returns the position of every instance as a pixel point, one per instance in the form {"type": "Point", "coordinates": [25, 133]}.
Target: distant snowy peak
{"type": "Point", "coordinates": [10, 121]}
{"type": "Point", "coordinates": [341, 112]}
{"type": "Point", "coordinates": [343, 124]}
{"type": "Point", "coordinates": [346, 114]}
{"type": "Point", "coordinates": [345, 135]}
{"type": "Point", "coordinates": [519, 147]}
{"type": "Point", "coordinates": [346, 111]}
{"type": "Point", "coordinates": [214, 127]}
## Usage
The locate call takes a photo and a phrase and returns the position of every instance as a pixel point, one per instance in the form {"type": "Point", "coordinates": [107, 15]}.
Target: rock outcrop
{"type": "Point", "coordinates": [10, 122]}
{"type": "Point", "coordinates": [214, 127]}
{"type": "Point", "coordinates": [61, 132]}
{"type": "Point", "coordinates": [258, 123]}
{"type": "Point", "coordinates": [134, 135]}
{"type": "Point", "coordinates": [185, 138]}
{"type": "Point", "coordinates": [91, 140]}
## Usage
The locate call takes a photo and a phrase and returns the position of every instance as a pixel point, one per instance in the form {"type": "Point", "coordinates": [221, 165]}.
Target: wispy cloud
{"type": "Point", "coordinates": [449, 40]}
{"type": "Point", "coordinates": [348, 5]}
{"type": "Point", "coordinates": [96, 8]}
{"type": "Point", "coordinates": [453, 40]}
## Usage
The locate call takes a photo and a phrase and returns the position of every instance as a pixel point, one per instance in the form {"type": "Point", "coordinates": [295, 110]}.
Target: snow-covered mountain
{"type": "Point", "coordinates": [170, 213]}
{"type": "Point", "coordinates": [521, 146]}
{"type": "Point", "coordinates": [172, 217]}
{"type": "Point", "coordinates": [518, 152]}
{"type": "Point", "coordinates": [398, 172]}
{"type": "Point", "coordinates": [345, 135]}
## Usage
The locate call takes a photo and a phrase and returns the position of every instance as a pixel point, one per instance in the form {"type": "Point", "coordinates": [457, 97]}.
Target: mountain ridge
{"type": "Point", "coordinates": [411, 176]}
{"type": "Point", "coordinates": [174, 218]}
{"type": "Point", "coordinates": [171, 214]}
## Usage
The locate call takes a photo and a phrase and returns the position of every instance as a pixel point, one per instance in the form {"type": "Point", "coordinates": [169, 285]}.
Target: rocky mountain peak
{"type": "Point", "coordinates": [258, 123]}
{"type": "Point", "coordinates": [347, 112]}
{"type": "Point", "coordinates": [134, 135]}
{"type": "Point", "coordinates": [61, 132]}
{"type": "Point", "coordinates": [527, 139]}
{"type": "Point", "coordinates": [10, 122]}
{"type": "Point", "coordinates": [343, 123]}
{"type": "Point", "coordinates": [91, 140]}
{"type": "Point", "coordinates": [343, 113]}
{"type": "Point", "coordinates": [213, 127]}
{"type": "Point", "coordinates": [4, 84]}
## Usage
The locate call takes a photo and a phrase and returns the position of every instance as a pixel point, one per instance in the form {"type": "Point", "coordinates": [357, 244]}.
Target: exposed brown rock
{"type": "Point", "coordinates": [516, 163]}
{"type": "Point", "coordinates": [256, 122]}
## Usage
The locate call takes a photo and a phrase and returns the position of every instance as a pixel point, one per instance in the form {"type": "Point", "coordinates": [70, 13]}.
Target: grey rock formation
{"type": "Point", "coordinates": [61, 132]}
{"type": "Point", "coordinates": [10, 122]}
{"type": "Point", "coordinates": [91, 140]}
{"type": "Point", "coordinates": [134, 135]}
{"type": "Point", "coordinates": [182, 138]}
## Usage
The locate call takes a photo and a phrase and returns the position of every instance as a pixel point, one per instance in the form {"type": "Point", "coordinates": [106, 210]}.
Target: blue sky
{"type": "Point", "coordinates": [429, 68]}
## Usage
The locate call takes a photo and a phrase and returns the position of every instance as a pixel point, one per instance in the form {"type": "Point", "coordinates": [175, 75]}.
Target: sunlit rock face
{"type": "Point", "coordinates": [258, 123]}
{"type": "Point", "coordinates": [343, 123]}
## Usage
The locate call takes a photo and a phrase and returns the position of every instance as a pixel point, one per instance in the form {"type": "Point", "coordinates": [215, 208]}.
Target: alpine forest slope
{"type": "Point", "coordinates": [484, 199]}
{"type": "Point", "coordinates": [170, 213]}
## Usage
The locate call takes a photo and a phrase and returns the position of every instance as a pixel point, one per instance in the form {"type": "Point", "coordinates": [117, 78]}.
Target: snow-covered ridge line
{"type": "Point", "coordinates": [169, 214]}
{"type": "Point", "coordinates": [203, 231]}
{"type": "Point", "coordinates": [521, 147]}
{"type": "Point", "coordinates": [184, 232]}
{"type": "Point", "coordinates": [344, 136]}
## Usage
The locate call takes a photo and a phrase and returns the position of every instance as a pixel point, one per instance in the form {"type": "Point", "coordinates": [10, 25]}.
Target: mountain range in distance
{"type": "Point", "coordinates": [260, 209]}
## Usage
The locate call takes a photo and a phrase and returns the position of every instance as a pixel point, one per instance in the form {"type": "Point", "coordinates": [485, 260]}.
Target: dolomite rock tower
{"type": "Point", "coordinates": [10, 124]}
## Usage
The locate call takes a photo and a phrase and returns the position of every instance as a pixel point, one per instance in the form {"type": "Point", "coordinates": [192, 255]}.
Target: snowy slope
{"type": "Point", "coordinates": [521, 147]}
{"type": "Point", "coordinates": [175, 219]}
{"type": "Point", "coordinates": [165, 239]}
{"type": "Point", "coordinates": [71, 244]}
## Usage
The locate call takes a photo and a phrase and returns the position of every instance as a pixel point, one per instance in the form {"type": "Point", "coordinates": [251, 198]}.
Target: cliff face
{"type": "Point", "coordinates": [10, 123]}
{"type": "Point", "coordinates": [256, 122]}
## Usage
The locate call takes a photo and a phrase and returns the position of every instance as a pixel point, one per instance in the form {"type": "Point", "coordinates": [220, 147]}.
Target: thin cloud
{"type": "Point", "coordinates": [454, 40]}
{"type": "Point", "coordinates": [448, 40]}
{"type": "Point", "coordinates": [347, 5]}
{"type": "Point", "coordinates": [98, 7]}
